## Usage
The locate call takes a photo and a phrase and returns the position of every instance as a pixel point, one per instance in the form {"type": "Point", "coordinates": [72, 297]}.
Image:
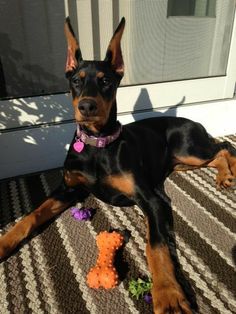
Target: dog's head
{"type": "Point", "coordinates": [93, 84]}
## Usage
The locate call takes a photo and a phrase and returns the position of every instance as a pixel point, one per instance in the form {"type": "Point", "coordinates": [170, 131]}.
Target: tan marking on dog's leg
{"type": "Point", "coordinates": [122, 182]}
{"type": "Point", "coordinates": [184, 163]}
{"type": "Point", "coordinates": [191, 161]}
{"type": "Point", "coordinates": [182, 167]}
{"type": "Point", "coordinates": [223, 162]}
{"type": "Point", "coordinates": [167, 294]}
{"type": "Point", "coordinates": [224, 177]}
{"type": "Point", "coordinates": [28, 224]}
{"type": "Point", "coordinates": [231, 161]}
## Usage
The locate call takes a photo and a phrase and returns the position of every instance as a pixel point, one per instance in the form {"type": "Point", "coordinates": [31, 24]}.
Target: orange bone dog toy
{"type": "Point", "coordinates": [104, 274]}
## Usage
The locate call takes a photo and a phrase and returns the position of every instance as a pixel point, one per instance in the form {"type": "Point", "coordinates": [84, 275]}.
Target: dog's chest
{"type": "Point", "coordinates": [122, 182]}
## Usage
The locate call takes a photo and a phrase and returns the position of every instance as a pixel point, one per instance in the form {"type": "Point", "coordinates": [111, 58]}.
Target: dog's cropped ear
{"type": "Point", "coordinates": [74, 55]}
{"type": "Point", "coordinates": [114, 54]}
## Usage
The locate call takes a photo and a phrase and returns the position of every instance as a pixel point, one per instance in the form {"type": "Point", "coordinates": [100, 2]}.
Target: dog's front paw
{"type": "Point", "coordinates": [170, 299]}
{"type": "Point", "coordinates": [4, 251]}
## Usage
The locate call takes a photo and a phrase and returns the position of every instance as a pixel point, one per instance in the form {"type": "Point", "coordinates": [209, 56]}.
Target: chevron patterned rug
{"type": "Point", "coordinates": [48, 273]}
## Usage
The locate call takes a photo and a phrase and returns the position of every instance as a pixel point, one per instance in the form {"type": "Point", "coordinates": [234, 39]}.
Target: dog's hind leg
{"type": "Point", "coordinates": [224, 177]}
{"type": "Point", "coordinates": [222, 157]}
{"type": "Point", "coordinates": [229, 153]}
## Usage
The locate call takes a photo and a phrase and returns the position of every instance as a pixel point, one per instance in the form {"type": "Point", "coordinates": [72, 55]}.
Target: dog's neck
{"type": "Point", "coordinates": [108, 134]}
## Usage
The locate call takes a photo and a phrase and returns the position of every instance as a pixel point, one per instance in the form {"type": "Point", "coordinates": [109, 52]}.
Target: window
{"type": "Point", "coordinates": [32, 49]}
{"type": "Point", "coordinates": [200, 8]}
{"type": "Point", "coordinates": [164, 41]}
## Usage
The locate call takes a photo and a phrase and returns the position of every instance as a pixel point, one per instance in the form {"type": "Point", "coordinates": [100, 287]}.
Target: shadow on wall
{"type": "Point", "coordinates": [144, 101]}
{"type": "Point", "coordinates": [31, 150]}
{"type": "Point", "coordinates": [23, 112]}
{"type": "Point", "coordinates": [34, 146]}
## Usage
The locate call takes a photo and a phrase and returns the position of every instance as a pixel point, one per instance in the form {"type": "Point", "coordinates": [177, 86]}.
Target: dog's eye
{"type": "Point", "coordinates": [105, 81]}
{"type": "Point", "coordinates": [76, 81]}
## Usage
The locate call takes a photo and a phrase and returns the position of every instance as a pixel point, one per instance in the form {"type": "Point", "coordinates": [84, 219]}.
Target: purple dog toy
{"type": "Point", "coordinates": [148, 298]}
{"type": "Point", "coordinates": [81, 213]}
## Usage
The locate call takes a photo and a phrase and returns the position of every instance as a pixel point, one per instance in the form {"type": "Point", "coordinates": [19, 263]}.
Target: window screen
{"type": "Point", "coordinates": [164, 40]}
{"type": "Point", "coordinates": [203, 8]}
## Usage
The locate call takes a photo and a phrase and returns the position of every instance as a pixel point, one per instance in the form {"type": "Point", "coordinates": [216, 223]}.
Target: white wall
{"type": "Point", "coordinates": [25, 150]}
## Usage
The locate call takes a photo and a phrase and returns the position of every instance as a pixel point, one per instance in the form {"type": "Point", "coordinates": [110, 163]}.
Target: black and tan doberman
{"type": "Point", "coordinates": [123, 165]}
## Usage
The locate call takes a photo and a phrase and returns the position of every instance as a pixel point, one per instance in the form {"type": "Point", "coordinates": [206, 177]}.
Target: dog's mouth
{"type": "Point", "coordinates": [85, 119]}
{"type": "Point", "coordinates": [94, 124]}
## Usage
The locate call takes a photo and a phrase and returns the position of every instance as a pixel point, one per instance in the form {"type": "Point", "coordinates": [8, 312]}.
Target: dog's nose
{"type": "Point", "coordinates": [87, 107]}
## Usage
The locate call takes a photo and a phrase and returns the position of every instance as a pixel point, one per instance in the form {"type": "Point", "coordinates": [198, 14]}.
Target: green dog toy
{"type": "Point", "coordinates": [141, 288]}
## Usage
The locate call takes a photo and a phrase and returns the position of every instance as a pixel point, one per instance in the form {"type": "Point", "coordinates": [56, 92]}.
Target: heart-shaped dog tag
{"type": "Point", "coordinates": [78, 146]}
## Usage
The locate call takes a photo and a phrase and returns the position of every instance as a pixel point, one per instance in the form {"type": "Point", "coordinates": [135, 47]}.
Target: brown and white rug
{"type": "Point", "coordinates": [48, 273]}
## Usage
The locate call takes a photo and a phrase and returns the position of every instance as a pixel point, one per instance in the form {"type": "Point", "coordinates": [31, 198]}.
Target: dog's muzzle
{"type": "Point", "coordinates": [87, 107]}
